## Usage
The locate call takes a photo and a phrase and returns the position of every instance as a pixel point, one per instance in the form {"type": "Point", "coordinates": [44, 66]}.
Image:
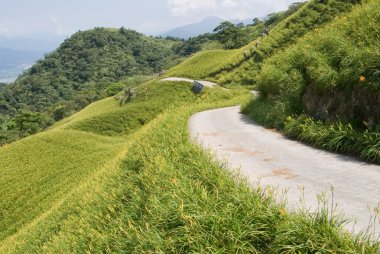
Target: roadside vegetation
{"type": "Point", "coordinates": [42, 172]}
{"type": "Point", "coordinates": [332, 76]}
{"type": "Point", "coordinates": [122, 176]}
{"type": "Point", "coordinates": [154, 192]}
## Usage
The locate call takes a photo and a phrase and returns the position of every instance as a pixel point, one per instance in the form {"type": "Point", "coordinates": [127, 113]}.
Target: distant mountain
{"type": "Point", "coordinates": [244, 21]}
{"type": "Point", "coordinates": [205, 26]}
{"type": "Point", "coordinates": [192, 30]}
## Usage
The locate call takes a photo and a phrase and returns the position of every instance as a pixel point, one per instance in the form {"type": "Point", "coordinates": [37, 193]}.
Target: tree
{"type": "Point", "coordinates": [256, 21]}
{"type": "Point", "coordinates": [230, 35]}
{"type": "Point", "coordinates": [28, 122]}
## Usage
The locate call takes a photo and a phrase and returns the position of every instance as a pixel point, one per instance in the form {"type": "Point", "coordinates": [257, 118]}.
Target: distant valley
{"type": "Point", "coordinates": [13, 62]}
{"type": "Point", "coordinates": [18, 54]}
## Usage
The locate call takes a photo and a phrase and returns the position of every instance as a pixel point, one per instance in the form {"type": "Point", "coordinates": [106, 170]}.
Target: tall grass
{"type": "Point", "coordinates": [313, 15]}
{"type": "Point", "coordinates": [167, 196]}
{"type": "Point", "coordinates": [38, 171]}
{"type": "Point", "coordinates": [337, 137]}
{"type": "Point", "coordinates": [236, 67]}
{"type": "Point", "coordinates": [204, 64]}
{"type": "Point", "coordinates": [149, 100]}
{"type": "Point", "coordinates": [341, 58]}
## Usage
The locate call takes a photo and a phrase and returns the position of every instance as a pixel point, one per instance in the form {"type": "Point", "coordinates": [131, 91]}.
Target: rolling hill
{"type": "Point", "coordinates": [82, 70]}
{"type": "Point", "coordinates": [122, 176]}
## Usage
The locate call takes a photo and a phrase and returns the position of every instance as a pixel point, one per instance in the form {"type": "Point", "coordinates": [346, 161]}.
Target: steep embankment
{"type": "Point", "coordinates": [332, 75]}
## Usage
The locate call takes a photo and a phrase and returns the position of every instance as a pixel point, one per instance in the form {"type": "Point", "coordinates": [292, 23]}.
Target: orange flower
{"type": "Point", "coordinates": [362, 78]}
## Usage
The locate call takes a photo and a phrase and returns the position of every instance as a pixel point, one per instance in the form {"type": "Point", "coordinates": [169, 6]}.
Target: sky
{"type": "Point", "coordinates": [36, 18]}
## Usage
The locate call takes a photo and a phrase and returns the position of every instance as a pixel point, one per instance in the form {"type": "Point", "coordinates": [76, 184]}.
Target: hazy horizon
{"type": "Point", "coordinates": [52, 19]}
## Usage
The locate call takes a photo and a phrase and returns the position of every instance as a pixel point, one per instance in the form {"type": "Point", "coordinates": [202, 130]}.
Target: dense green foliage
{"type": "Point", "coordinates": [196, 44]}
{"type": "Point", "coordinates": [340, 62]}
{"type": "Point", "coordinates": [335, 56]}
{"type": "Point", "coordinates": [225, 36]}
{"type": "Point", "coordinates": [82, 70]}
{"type": "Point", "coordinates": [231, 36]}
{"type": "Point", "coordinates": [168, 196]}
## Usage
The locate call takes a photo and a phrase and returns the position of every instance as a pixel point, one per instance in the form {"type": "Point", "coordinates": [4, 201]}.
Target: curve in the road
{"type": "Point", "coordinates": [203, 82]}
{"type": "Point", "coordinates": [267, 156]}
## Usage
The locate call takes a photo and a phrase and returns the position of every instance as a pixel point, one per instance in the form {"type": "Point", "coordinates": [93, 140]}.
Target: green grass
{"type": "Point", "coordinates": [337, 137]}
{"type": "Point", "coordinates": [42, 173]}
{"type": "Point", "coordinates": [39, 171]}
{"type": "Point", "coordinates": [204, 64]}
{"type": "Point", "coordinates": [232, 67]}
{"type": "Point", "coordinates": [126, 179]}
{"type": "Point", "coordinates": [334, 67]}
{"type": "Point", "coordinates": [148, 191]}
{"type": "Point", "coordinates": [334, 56]}
{"type": "Point", "coordinates": [311, 16]}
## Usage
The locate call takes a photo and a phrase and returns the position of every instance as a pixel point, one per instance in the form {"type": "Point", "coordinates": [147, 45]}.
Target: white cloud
{"type": "Point", "coordinates": [8, 28]}
{"type": "Point", "coordinates": [229, 3]}
{"type": "Point", "coordinates": [227, 8]}
{"type": "Point", "coordinates": [4, 30]}
{"type": "Point", "coordinates": [59, 28]}
{"type": "Point", "coordinates": [185, 7]}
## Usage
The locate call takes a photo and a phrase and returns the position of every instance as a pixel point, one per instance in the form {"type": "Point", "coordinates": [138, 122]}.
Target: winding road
{"type": "Point", "coordinates": [203, 82]}
{"type": "Point", "coordinates": [268, 157]}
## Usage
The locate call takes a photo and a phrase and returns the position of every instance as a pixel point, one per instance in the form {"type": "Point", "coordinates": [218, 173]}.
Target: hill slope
{"type": "Point", "coordinates": [82, 70]}
{"type": "Point", "coordinates": [69, 193]}
{"type": "Point", "coordinates": [332, 76]}
{"type": "Point", "coordinates": [124, 177]}
{"type": "Point", "coordinates": [242, 66]}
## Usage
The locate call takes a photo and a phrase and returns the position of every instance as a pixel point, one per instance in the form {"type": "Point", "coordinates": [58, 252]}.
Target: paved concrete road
{"type": "Point", "coordinates": [203, 82]}
{"type": "Point", "coordinates": [267, 156]}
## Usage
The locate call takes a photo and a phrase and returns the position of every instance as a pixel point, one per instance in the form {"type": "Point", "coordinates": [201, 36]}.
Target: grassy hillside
{"type": "Point", "coordinates": [203, 63]}
{"type": "Point", "coordinates": [84, 69]}
{"type": "Point", "coordinates": [125, 178]}
{"type": "Point", "coordinates": [237, 67]}
{"type": "Point", "coordinates": [167, 196]}
{"type": "Point", "coordinates": [41, 172]}
{"type": "Point", "coordinates": [332, 75]}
